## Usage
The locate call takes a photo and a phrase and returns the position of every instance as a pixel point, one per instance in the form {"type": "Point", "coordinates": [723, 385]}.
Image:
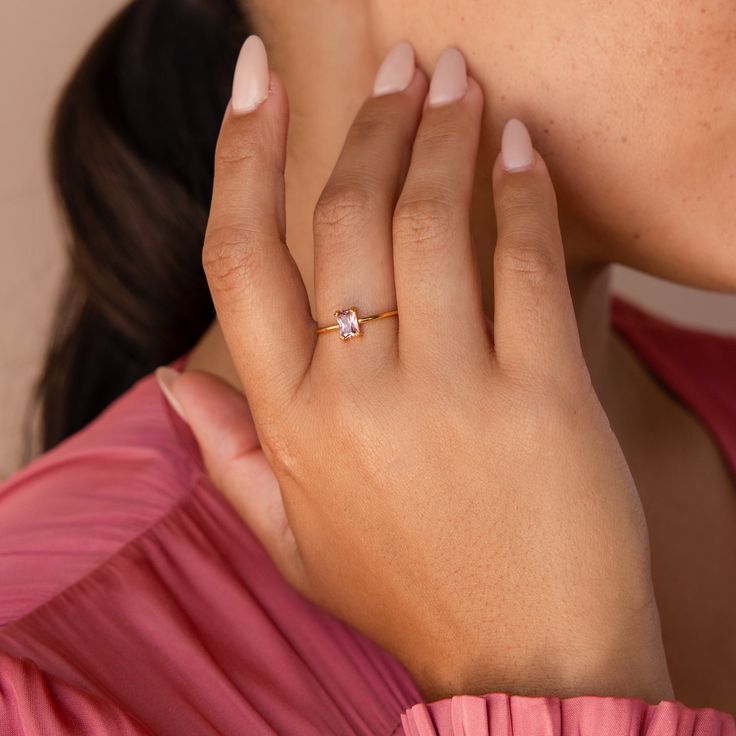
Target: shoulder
{"type": "Point", "coordinates": [74, 507]}
{"type": "Point", "coordinates": [697, 365]}
{"type": "Point", "coordinates": [35, 702]}
{"type": "Point", "coordinates": [700, 356]}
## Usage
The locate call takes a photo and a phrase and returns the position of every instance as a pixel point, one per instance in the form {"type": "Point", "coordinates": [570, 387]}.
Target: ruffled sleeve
{"type": "Point", "coordinates": [33, 703]}
{"type": "Point", "coordinates": [499, 714]}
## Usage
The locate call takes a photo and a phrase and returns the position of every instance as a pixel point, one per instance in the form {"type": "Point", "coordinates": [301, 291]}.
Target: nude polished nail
{"type": "Point", "coordinates": [251, 79]}
{"type": "Point", "coordinates": [166, 377]}
{"type": "Point", "coordinates": [517, 152]}
{"type": "Point", "coordinates": [396, 70]}
{"type": "Point", "coordinates": [450, 79]}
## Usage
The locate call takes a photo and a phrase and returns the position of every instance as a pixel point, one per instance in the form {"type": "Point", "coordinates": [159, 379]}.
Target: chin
{"type": "Point", "coordinates": [693, 246]}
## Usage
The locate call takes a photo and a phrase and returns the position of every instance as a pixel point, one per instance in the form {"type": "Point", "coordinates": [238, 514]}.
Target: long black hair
{"type": "Point", "coordinates": [132, 150]}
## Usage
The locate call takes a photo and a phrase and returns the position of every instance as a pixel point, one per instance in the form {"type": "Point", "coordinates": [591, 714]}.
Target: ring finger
{"type": "Point", "coordinates": [353, 217]}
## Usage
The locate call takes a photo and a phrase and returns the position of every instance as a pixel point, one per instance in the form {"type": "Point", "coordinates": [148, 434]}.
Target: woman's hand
{"type": "Point", "coordinates": [456, 495]}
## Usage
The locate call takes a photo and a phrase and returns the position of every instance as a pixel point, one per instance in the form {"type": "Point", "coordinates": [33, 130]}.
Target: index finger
{"type": "Point", "coordinates": [258, 292]}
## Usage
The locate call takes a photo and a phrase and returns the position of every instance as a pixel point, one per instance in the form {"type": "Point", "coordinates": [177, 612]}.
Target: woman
{"type": "Point", "coordinates": [451, 497]}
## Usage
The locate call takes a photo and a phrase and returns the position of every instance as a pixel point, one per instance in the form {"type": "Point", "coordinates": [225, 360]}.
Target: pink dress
{"type": "Point", "coordinates": [133, 599]}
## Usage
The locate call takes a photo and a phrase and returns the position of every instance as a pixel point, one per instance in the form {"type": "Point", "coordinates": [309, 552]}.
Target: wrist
{"type": "Point", "coordinates": [606, 671]}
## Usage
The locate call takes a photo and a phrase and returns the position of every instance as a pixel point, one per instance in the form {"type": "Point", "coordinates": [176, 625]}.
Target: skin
{"type": "Point", "coordinates": [383, 539]}
{"type": "Point", "coordinates": [644, 172]}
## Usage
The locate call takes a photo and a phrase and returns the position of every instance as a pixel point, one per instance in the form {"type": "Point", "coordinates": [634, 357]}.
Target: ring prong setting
{"type": "Point", "coordinates": [348, 323]}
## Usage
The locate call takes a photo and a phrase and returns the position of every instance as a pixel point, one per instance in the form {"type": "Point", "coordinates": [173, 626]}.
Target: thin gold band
{"type": "Point", "coordinates": [330, 328]}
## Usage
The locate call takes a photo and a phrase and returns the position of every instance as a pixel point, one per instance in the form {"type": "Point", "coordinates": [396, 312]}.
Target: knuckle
{"type": "Point", "coordinates": [230, 256]}
{"type": "Point", "coordinates": [342, 208]}
{"type": "Point", "coordinates": [526, 251]}
{"type": "Point", "coordinates": [442, 135]}
{"type": "Point", "coordinates": [424, 220]}
{"type": "Point", "coordinates": [237, 149]}
{"type": "Point", "coordinates": [371, 125]}
{"type": "Point", "coordinates": [521, 201]}
{"type": "Point", "coordinates": [283, 457]}
{"type": "Point", "coordinates": [281, 446]}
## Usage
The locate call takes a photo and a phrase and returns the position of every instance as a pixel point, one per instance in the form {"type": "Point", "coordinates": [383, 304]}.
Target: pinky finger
{"type": "Point", "coordinates": [534, 319]}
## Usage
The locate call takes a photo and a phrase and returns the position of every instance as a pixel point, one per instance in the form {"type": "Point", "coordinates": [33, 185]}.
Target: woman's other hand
{"type": "Point", "coordinates": [454, 493]}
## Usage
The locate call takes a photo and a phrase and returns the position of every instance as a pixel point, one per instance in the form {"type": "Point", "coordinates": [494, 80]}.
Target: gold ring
{"type": "Point", "coordinates": [348, 322]}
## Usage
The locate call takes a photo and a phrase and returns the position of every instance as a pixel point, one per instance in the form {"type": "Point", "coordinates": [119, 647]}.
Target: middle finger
{"type": "Point", "coordinates": [438, 285]}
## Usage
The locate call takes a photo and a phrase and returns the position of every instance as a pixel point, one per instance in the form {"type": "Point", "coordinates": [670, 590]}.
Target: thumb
{"type": "Point", "coordinates": [221, 421]}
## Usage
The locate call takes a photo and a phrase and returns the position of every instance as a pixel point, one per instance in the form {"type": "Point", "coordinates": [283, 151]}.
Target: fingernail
{"type": "Point", "coordinates": [396, 70]}
{"type": "Point", "coordinates": [166, 377]}
{"type": "Point", "coordinates": [251, 79]}
{"type": "Point", "coordinates": [517, 152]}
{"type": "Point", "coordinates": [450, 79]}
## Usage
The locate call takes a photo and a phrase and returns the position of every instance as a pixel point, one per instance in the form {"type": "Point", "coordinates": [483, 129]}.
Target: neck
{"type": "Point", "coordinates": [327, 59]}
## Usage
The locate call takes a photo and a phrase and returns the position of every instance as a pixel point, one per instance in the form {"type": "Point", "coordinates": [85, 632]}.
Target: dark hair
{"type": "Point", "coordinates": [132, 151]}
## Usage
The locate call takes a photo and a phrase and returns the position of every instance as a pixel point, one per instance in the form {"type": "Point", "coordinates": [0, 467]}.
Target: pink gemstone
{"type": "Point", "coordinates": [347, 322]}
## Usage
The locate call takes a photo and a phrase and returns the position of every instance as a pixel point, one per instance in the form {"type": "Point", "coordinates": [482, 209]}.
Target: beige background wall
{"type": "Point", "coordinates": [39, 42]}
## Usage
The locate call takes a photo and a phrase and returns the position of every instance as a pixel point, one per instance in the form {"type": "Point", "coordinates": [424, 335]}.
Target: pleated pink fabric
{"type": "Point", "coordinates": [134, 600]}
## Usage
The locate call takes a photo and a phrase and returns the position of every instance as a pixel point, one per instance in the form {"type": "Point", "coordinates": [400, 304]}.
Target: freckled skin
{"type": "Point", "coordinates": [631, 103]}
